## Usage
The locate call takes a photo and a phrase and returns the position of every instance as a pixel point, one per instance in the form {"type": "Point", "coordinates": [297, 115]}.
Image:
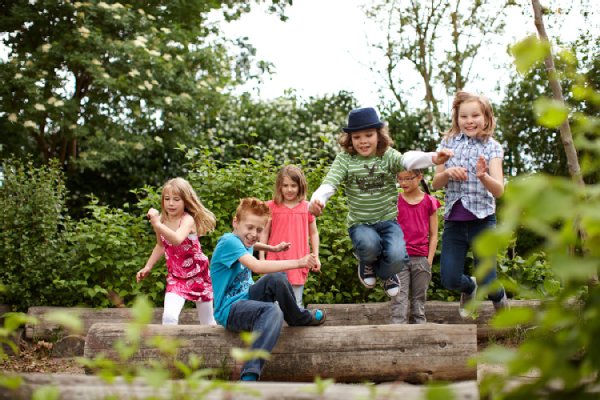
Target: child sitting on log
{"type": "Point", "coordinates": [244, 305]}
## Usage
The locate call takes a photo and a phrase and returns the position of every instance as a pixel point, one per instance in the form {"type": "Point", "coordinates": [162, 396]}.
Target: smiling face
{"type": "Point", "coordinates": [409, 181]}
{"type": "Point", "coordinates": [172, 203]}
{"type": "Point", "coordinates": [289, 190]}
{"type": "Point", "coordinates": [471, 120]}
{"type": "Point", "coordinates": [365, 142]}
{"type": "Point", "coordinates": [249, 227]}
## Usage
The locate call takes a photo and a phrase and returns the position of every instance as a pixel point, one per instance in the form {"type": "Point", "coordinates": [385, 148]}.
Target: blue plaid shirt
{"type": "Point", "coordinates": [473, 195]}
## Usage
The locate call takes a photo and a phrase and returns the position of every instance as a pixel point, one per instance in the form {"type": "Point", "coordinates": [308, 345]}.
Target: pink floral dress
{"type": "Point", "coordinates": [187, 269]}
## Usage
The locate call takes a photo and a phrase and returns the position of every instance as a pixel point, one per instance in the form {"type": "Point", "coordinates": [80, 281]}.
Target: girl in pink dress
{"type": "Point", "coordinates": [291, 222]}
{"type": "Point", "coordinates": [184, 218]}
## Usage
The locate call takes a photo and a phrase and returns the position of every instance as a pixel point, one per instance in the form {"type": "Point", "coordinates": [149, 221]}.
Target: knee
{"type": "Point", "coordinates": [274, 314]}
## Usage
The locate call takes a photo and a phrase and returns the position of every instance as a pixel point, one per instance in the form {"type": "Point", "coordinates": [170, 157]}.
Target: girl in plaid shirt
{"type": "Point", "coordinates": [473, 179]}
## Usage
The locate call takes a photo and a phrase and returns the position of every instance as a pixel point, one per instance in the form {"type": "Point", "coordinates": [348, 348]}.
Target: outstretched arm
{"type": "Point", "coordinates": [269, 266]}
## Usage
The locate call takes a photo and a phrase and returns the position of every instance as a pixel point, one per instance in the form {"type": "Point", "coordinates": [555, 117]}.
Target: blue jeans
{"type": "Point", "coordinates": [380, 245]}
{"type": "Point", "coordinates": [261, 314]}
{"type": "Point", "coordinates": [457, 239]}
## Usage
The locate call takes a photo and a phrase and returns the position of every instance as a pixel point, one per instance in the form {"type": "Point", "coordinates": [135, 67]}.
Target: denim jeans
{"type": "Point", "coordinates": [457, 239]}
{"type": "Point", "coordinates": [261, 314]}
{"type": "Point", "coordinates": [414, 281]}
{"type": "Point", "coordinates": [380, 245]}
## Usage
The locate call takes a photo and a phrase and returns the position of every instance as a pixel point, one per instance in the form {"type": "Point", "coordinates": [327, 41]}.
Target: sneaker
{"type": "Point", "coordinates": [319, 317]}
{"type": "Point", "coordinates": [502, 304]}
{"type": "Point", "coordinates": [465, 298]}
{"type": "Point", "coordinates": [366, 274]}
{"type": "Point", "coordinates": [392, 286]}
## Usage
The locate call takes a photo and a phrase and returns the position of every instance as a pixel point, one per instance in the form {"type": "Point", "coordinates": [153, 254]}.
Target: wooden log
{"type": "Point", "coordinates": [338, 314]}
{"type": "Point", "coordinates": [81, 387]}
{"type": "Point", "coordinates": [378, 353]}
{"type": "Point", "coordinates": [439, 312]}
{"type": "Point", "coordinates": [51, 331]}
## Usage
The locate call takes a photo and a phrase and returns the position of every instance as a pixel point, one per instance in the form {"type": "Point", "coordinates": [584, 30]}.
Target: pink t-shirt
{"type": "Point", "coordinates": [290, 225]}
{"type": "Point", "coordinates": [414, 221]}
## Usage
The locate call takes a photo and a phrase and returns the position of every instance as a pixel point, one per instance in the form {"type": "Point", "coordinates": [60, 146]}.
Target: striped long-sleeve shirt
{"type": "Point", "coordinates": [370, 183]}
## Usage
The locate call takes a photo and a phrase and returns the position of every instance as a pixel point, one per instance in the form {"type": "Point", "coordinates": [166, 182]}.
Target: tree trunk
{"type": "Point", "coordinates": [378, 353]}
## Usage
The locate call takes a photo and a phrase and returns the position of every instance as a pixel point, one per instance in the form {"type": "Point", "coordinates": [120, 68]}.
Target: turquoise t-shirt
{"type": "Point", "coordinates": [231, 280]}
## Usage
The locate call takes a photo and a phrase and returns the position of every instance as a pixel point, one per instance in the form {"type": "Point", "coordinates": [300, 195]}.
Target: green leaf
{"type": "Point", "coordinates": [550, 113]}
{"type": "Point", "coordinates": [67, 320]}
{"type": "Point", "coordinates": [513, 317]}
{"type": "Point", "coordinates": [46, 393]}
{"type": "Point", "coordinates": [529, 52]}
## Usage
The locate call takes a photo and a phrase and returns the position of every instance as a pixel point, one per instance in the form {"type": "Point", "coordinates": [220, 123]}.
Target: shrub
{"type": "Point", "coordinates": [32, 229]}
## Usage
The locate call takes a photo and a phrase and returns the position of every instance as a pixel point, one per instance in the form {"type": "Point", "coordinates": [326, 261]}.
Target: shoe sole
{"type": "Point", "coordinates": [365, 284]}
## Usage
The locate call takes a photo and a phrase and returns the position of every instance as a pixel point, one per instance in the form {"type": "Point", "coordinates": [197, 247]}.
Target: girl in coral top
{"type": "Point", "coordinates": [291, 222]}
{"type": "Point", "coordinates": [184, 218]}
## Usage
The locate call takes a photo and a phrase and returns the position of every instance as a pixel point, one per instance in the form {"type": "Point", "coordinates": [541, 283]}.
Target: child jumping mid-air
{"type": "Point", "coordinates": [291, 222]}
{"type": "Point", "coordinates": [417, 216]}
{"type": "Point", "coordinates": [244, 305]}
{"type": "Point", "coordinates": [368, 167]}
{"type": "Point", "coordinates": [183, 219]}
{"type": "Point", "coordinates": [473, 179]}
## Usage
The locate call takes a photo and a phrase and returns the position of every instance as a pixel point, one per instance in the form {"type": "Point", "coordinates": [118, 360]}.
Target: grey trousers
{"type": "Point", "coordinates": [414, 281]}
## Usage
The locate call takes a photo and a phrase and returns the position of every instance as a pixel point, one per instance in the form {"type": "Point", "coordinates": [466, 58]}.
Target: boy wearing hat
{"type": "Point", "coordinates": [368, 166]}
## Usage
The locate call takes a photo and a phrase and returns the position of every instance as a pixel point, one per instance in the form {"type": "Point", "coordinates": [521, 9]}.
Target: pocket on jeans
{"type": "Point", "coordinates": [423, 265]}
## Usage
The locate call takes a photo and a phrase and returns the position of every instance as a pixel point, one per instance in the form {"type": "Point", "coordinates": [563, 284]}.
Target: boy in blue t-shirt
{"type": "Point", "coordinates": [243, 305]}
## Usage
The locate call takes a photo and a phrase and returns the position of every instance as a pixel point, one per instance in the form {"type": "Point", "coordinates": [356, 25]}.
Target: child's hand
{"type": "Point", "coordinates": [442, 156]}
{"type": "Point", "coordinates": [481, 167]}
{"type": "Point", "coordinates": [457, 173]}
{"type": "Point", "coordinates": [153, 215]}
{"type": "Point", "coordinates": [142, 273]}
{"type": "Point", "coordinates": [317, 267]}
{"type": "Point", "coordinates": [283, 246]}
{"type": "Point", "coordinates": [309, 261]}
{"type": "Point", "coordinates": [316, 208]}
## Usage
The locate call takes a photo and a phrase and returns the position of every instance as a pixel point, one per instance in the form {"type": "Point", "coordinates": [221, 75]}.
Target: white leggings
{"type": "Point", "coordinates": [174, 303]}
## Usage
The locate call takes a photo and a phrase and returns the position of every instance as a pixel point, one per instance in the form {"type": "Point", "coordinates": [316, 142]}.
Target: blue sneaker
{"type": "Point", "coordinates": [366, 274]}
{"type": "Point", "coordinates": [391, 286]}
{"type": "Point", "coordinates": [319, 317]}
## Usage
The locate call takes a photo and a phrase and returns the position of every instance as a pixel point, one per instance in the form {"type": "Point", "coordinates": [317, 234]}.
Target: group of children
{"type": "Point", "coordinates": [394, 236]}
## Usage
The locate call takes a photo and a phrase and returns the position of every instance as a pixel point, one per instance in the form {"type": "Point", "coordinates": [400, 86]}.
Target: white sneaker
{"type": "Point", "coordinates": [465, 299]}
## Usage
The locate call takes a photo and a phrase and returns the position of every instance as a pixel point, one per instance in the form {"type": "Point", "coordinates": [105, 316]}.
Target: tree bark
{"type": "Point", "coordinates": [76, 387]}
{"type": "Point", "coordinates": [377, 353]}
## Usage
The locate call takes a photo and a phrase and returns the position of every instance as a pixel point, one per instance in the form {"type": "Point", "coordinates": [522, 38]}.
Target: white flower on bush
{"type": "Point", "coordinates": [46, 48]}
{"type": "Point", "coordinates": [153, 53]}
{"type": "Point", "coordinates": [168, 100]}
{"type": "Point", "coordinates": [39, 107]}
{"type": "Point", "coordinates": [12, 117]}
{"type": "Point", "coordinates": [85, 32]}
{"type": "Point", "coordinates": [133, 73]}
{"type": "Point", "coordinates": [30, 124]}
{"type": "Point", "coordinates": [140, 41]}
{"type": "Point", "coordinates": [138, 146]}
{"type": "Point", "coordinates": [165, 30]}
{"type": "Point", "coordinates": [158, 139]}
{"type": "Point", "coordinates": [18, 75]}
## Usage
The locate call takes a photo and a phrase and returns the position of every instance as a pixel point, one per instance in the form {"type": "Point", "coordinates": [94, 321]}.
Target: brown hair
{"type": "Point", "coordinates": [251, 205]}
{"type": "Point", "coordinates": [204, 219]}
{"type": "Point", "coordinates": [486, 108]}
{"type": "Point", "coordinates": [384, 141]}
{"type": "Point", "coordinates": [296, 175]}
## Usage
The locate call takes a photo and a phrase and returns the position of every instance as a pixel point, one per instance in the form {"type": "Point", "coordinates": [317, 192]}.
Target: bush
{"type": "Point", "coordinates": [32, 229]}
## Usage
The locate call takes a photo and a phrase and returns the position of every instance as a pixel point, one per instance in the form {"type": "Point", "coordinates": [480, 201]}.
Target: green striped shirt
{"type": "Point", "coordinates": [370, 185]}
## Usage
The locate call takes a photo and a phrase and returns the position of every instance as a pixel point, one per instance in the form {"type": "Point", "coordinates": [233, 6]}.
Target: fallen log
{"type": "Point", "coordinates": [378, 353]}
{"type": "Point", "coordinates": [439, 312]}
{"type": "Point", "coordinates": [338, 314]}
{"type": "Point", "coordinates": [81, 387]}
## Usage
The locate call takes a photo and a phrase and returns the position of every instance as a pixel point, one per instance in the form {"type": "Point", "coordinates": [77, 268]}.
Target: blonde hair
{"type": "Point", "coordinates": [296, 175]}
{"type": "Point", "coordinates": [252, 205]}
{"type": "Point", "coordinates": [384, 141]}
{"type": "Point", "coordinates": [486, 108]}
{"type": "Point", "coordinates": [205, 220]}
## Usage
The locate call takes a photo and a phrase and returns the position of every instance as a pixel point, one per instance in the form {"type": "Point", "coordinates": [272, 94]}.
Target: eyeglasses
{"type": "Point", "coordinates": [407, 179]}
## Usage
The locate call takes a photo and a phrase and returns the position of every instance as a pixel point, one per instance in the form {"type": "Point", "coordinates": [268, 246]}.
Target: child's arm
{"type": "Point", "coordinates": [269, 266]}
{"type": "Point", "coordinates": [494, 180]}
{"type": "Point", "coordinates": [419, 160]}
{"type": "Point", "coordinates": [261, 247]}
{"type": "Point", "coordinates": [157, 253]}
{"type": "Point", "coordinates": [319, 199]}
{"type": "Point", "coordinates": [433, 236]}
{"type": "Point", "coordinates": [313, 234]}
{"type": "Point", "coordinates": [174, 237]}
{"type": "Point", "coordinates": [264, 238]}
